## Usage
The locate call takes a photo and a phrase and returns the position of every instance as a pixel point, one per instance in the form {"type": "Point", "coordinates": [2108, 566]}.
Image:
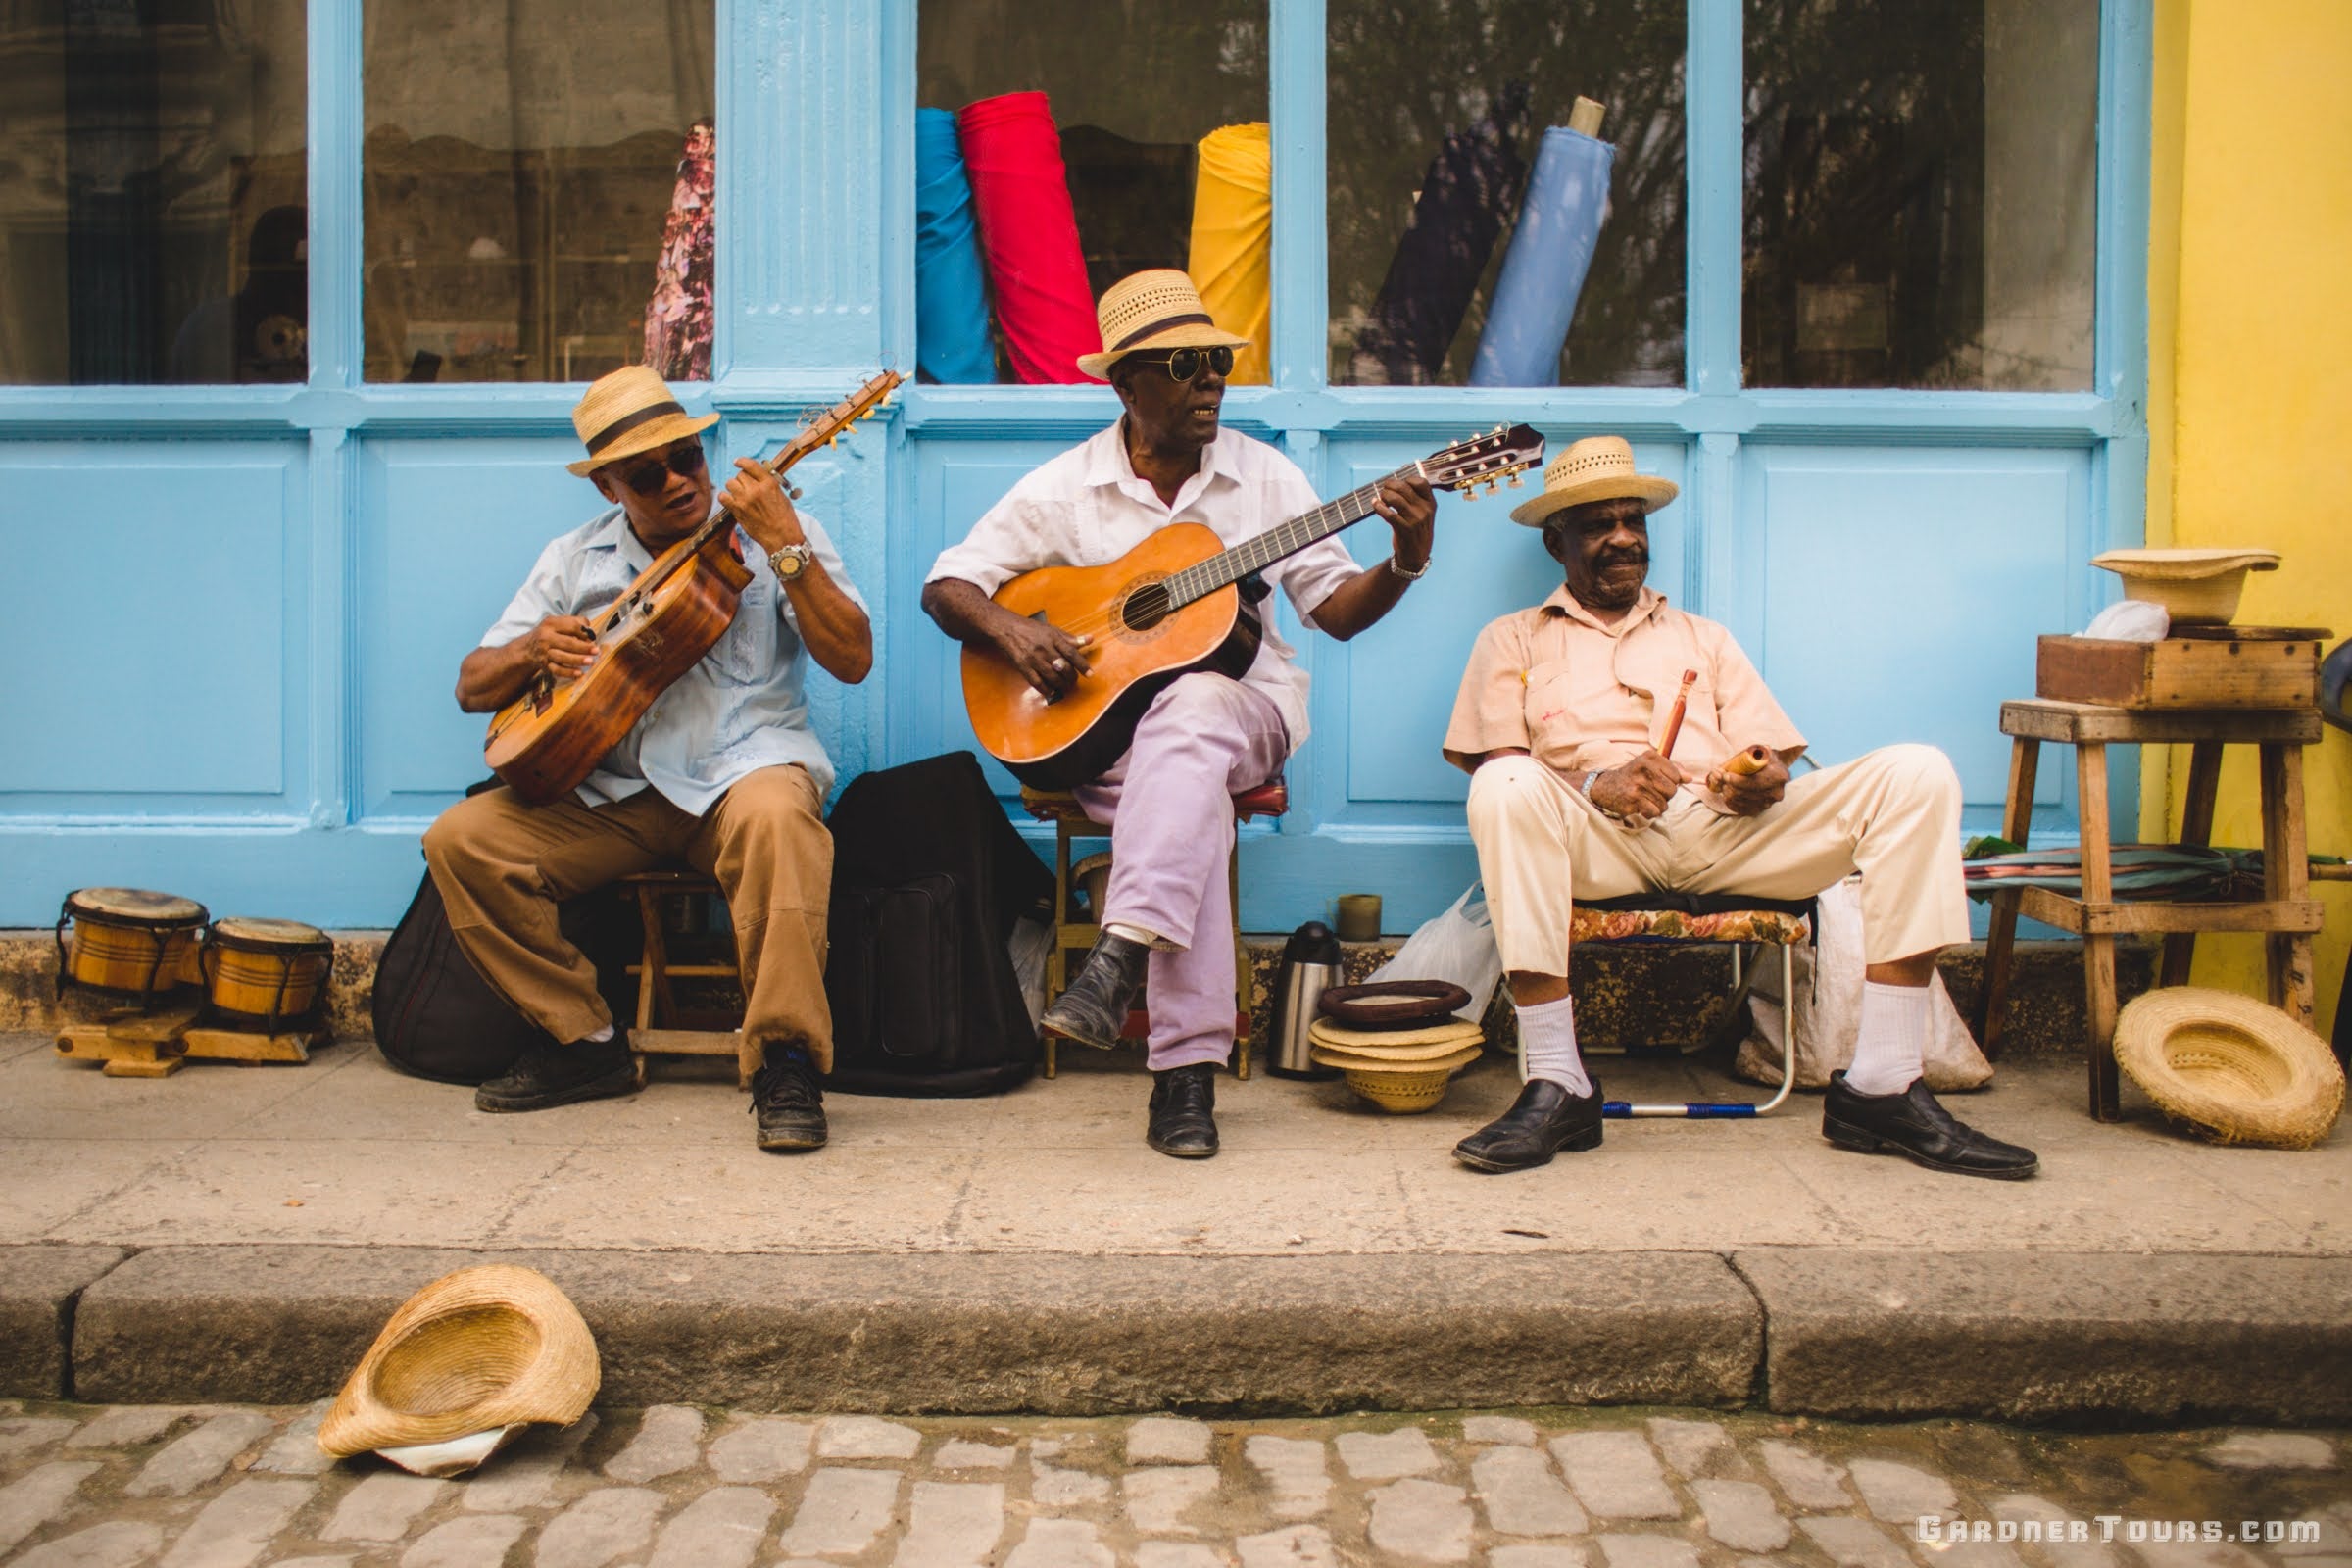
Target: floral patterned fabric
{"type": "Point", "coordinates": [677, 318]}
{"type": "Point", "coordinates": [1673, 925]}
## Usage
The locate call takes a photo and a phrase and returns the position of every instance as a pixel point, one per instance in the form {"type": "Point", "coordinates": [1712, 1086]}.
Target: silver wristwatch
{"type": "Point", "coordinates": [1408, 576]}
{"type": "Point", "coordinates": [788, 562]}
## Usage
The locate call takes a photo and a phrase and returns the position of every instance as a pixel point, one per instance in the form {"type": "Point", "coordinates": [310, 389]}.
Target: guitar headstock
{"type": "Point", "coordinates": [824, 427]}
{"type": "Point", "coordinates": [1488, 460]}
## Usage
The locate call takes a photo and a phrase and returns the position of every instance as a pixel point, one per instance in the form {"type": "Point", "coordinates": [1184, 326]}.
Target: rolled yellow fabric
{"type": "Point", "coordinates": [1233, 240]}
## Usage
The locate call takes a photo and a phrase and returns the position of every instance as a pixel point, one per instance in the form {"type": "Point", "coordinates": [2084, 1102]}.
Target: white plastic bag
{"type": "Point", "coordinates": [2130, 620]}
{"type": "Point", "coordinates": [1829, 1010]}
{"type": "Point", "coordinates": [1457, 945]}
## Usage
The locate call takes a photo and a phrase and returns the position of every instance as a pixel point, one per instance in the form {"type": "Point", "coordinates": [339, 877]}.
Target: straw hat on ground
{"type": "Point", "coordinates": [1158, 308]}
{"type": "Point", "coordinates": [473, 1354]}
{"type": "Point", "coordinates": [628, 411]}
{"type": "Point", "coordinates": [1600, 468]}
{"type": "Point", "coordinates": [2239, 1070]}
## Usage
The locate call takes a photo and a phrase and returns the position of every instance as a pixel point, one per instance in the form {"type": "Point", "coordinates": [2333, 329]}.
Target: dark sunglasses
{"type": "Point", "coordinates": [652, 477]}
{"type": "Point", "coordinates": [1185, 363]}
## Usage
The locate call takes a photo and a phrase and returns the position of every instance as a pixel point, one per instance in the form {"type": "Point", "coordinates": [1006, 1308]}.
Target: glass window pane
{"type": "Point", "coordinates": [152, 183]}
{"type": "Point", "coordinates": [1921, 193]}
{"type": "Point", "coordinates": [1443, 155]}
{"type": "Point", "coordinates": [1132, 92]}
{"type": "Point", "coordinates": [537, 186]}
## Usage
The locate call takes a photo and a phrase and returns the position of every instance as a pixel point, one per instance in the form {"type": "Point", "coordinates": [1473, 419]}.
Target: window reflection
{"type": "Point", "coordinates": [151, 185]}
{"type": "Point", "coordinates": [1438, 115]}
{"type": "Point", "coordinates": [523, 188]}
{"type": "Point", "coordinates": [1921, 193]}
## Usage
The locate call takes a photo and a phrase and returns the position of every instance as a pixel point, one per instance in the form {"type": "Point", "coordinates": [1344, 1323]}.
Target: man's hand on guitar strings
{"type": "Point", "coordinates": [1411, 508]}
{"type": "Point", "coordinates": [561, 646]}
{"type": "Point", "coordinates": [1047, 657]}
{"type": "Point", "coordinates": [761, 508]}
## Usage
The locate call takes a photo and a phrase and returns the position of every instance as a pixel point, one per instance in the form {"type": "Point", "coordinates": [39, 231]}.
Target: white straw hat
{"type": "Point", "coordinates": [1158, 308]}
{"type": "Point", "coordinates": [2239, 1070]}
{"type": "Point", "coordinates": [1600, 468]}
{"type": "Point", "coordinates": [630, 411]}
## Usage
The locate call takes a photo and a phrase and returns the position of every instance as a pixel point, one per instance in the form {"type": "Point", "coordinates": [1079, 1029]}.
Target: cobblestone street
{"type": "Point", "coordinates": [674, 1487]}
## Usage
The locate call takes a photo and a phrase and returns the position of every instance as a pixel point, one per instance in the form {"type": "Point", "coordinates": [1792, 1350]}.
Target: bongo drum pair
{"type": "Point", "coordinates": [133, 943]}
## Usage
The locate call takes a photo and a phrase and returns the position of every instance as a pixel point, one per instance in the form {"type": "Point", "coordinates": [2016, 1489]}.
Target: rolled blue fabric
{"type": "Point", "coordinates": [1543, 272]}
{"type": "Point", "coordinates": [950, 297]}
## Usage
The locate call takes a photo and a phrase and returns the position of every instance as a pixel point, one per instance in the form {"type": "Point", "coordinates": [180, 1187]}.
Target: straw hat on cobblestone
{"type": "Point", "coordinates": [2236, 1069]}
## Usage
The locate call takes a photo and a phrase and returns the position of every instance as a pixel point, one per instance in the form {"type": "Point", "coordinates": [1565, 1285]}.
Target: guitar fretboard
{"type": "Point", "coordinates": [1205, 577]}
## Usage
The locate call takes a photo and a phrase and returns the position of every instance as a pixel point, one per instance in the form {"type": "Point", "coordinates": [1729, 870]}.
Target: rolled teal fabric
{"type": "Point", "coordinates": [951, 300]}
{"type": "Point", "coordinates": [1543, 272]}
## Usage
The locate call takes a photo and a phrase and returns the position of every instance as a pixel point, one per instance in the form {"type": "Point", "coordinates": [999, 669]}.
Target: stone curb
{"type": "Point", "coordinates": [2055, 1336]}
{"type": "Point", "coordinates": [41, 1287]}
{"type": "Point", "coordinates": [971, 1333]}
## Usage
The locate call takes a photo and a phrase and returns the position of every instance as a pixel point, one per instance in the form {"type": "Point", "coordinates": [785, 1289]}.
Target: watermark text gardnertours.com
{"type": "Point", "coordinates": [1932, 1530]}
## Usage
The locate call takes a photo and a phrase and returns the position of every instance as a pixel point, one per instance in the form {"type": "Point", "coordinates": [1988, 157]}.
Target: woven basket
{"type": "Point", "coordinates": [2235, 1069]}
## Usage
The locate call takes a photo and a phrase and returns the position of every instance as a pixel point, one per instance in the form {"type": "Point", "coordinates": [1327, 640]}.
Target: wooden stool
{"type": "Point", "coordinates": [2285, 912]}
{"type": "Point", "coordinates": [1071, 822]}
{"type": "Point", "coordinates": [657, 1031]}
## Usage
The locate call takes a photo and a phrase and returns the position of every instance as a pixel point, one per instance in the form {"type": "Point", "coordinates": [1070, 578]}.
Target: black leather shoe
{"type": "Point", "coordinates": [789, 1103]}
{"type": "Point", "coordinates": [1093, 1009]}
{"type": "Point", "coordinates": [1184, 1105]}
{"type": "Point", "coordinates": [1912, 1123]}
{"type": "Point", "coordinates": [1545, 1120]}
{"type": "Point", "coordinates": [546, 1076]}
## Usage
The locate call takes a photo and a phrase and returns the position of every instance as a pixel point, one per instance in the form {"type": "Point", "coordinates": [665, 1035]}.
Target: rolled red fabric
{"type": "Point", "coordinates": [1029, 233]}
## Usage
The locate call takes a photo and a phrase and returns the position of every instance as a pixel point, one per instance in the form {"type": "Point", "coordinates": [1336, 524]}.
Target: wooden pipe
{"type": "Point", "coordinates": [1674, 721]}
{"type": "Point", "coordinates": [1752, 760]}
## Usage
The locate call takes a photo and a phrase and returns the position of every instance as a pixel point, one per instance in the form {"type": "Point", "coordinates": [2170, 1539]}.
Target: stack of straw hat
{"type": "Point", "coordinates": [1398, 1051]}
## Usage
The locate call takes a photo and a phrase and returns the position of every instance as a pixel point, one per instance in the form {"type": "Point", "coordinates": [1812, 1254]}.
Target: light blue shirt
{"type": "Point", "coordinates": [740, 709]}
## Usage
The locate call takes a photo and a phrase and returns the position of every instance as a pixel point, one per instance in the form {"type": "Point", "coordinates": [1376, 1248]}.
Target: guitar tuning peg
{"type": "Point", "coordinates": [1514, 481]}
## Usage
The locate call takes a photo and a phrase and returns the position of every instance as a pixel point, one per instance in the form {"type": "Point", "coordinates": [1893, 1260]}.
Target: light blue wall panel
{"type": "Point", "coordinates": [157, 601]}
{"type": "Point", "coordinates": [1895, 593]}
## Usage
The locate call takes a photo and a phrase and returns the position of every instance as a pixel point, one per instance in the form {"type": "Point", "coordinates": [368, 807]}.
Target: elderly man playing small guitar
{"type": "Point", "coordinates": [1205, 736]}
{"type": "Point", "coordinates": [722, 771]}
{"type": "Point", "coordinates": [1560, 719]}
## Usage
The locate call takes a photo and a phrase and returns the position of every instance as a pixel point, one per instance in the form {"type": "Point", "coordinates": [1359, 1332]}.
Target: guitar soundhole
{"type": "Point", "coordinates": [1145, 607]}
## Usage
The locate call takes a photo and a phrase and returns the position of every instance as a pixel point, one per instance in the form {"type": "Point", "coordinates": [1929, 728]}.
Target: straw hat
{"type": "Point", "coordinates": [1384, 1054]}
{"type": "Point", "coordinates": [1452, 1032]}
{"type": "Point", "coordinates": [1600, 468]}
{"type": "Point", "coordinates": [628, 411]}
{"type": "Point", "coordinates": [2194, 586]}
{"type": "Point", "coordinates": [1158, 308]}
{"type": "Point", "coordinates": [472, 1354]}
{"type": "Point", "coordinates": [2239, 1070]}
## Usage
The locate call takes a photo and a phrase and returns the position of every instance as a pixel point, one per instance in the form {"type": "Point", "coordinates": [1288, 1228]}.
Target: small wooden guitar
{"type": "Point", "coordinates": [549, 739]}
{"type": "Point", "coordinates": [1167, 607]}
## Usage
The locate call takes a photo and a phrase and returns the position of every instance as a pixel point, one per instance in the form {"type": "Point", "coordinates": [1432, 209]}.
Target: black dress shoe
{"type": "Point", "coordinates": [1093, 1009]}
{"type": "Point", "coordinates": [1912, 1123]}
{"type": "Point", "coordinates": [1184, 1105]}
{"type": "Point", "coordinates": [544, 1076]}
{"type": "Point", "coordinates": [1545, 1120]}
{"type": "Point", "coordinates": [790, 1104]}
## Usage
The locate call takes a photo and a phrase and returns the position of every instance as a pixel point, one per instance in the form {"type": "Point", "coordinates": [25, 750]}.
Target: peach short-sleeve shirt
{"type": "Point", "coordinates": [1579, 695]}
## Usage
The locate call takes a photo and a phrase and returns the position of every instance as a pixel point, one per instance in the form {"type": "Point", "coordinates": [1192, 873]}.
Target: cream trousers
{"type": "Point", "coordinates": [1893, 815]}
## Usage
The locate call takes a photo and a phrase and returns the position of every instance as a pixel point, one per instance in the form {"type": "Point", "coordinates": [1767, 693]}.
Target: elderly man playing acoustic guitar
{"type": "Point", "coordinates": [722, 772]}
{"type": "Point", "coordinates": [1559, 721]}
{"type": "Point", "coordinates": [1205, 736]}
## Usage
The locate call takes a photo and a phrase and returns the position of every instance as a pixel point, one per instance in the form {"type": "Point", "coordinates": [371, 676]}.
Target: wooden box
{"type": "Point", "coordinates": [2218, 666]}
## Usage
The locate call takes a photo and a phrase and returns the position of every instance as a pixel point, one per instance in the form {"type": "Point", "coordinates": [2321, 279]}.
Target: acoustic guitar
{"type": "Point", "coordinates": [549, 739]}
{"type": "Point", "coordinates": [1169, 606]}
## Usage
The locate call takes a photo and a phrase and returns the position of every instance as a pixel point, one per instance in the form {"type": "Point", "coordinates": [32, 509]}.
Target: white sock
{"type": "Point", "coordinates": [599, 1037]}
{"type": "Point", "coordinates": [1887, 1045]}
{"type": "Point", "coordinates": [1547, 1038]}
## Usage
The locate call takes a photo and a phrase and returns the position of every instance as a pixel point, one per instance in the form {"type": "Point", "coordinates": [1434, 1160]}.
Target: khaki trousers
{"type": "Point", "coordinates": [503, 866]}
{"type": "Point", "coordinates": [1893, 815]}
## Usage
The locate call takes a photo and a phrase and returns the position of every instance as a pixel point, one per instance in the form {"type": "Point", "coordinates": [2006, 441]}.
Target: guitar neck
{"type": "Point", "coordinates": [1229, 566]}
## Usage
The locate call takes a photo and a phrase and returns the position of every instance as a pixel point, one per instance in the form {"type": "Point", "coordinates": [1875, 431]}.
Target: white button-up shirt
{"type": "Point", "coordinates": [741, 708]}
{"type": "Point", "coordinates": [1089, 507]}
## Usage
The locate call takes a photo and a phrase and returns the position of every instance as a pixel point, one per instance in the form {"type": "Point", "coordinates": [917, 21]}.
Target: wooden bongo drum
{"type": "Point", "coordinates": [126, 939]}
{"type": "Point", "coordinates": [266, 974]}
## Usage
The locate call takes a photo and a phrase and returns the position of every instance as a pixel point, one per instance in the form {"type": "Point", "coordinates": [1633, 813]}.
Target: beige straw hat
{"type": "Point", "coordinates": [1159, 309]}
{"type": "Point", "coordinates": [1448, 1036]}
{"type": "Point", "coordinates": [2239, 1070]}
{"type": "Point", "coordinates": [630, 411]}
{"type": "Point", "coordinates": [1600, 468]}
{"type": "Point", "coordinates": [2195, 587]}
{"type": "Point", "coordinates": [476, 1351]}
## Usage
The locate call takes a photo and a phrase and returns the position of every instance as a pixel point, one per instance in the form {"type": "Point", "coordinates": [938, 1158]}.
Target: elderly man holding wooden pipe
{"type": "Point", "coordinates": [1618, 745]}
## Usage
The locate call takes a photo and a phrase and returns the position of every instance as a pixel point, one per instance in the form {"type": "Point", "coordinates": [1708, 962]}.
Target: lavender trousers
{"type": "Point", "coordinates": [1169, 804]}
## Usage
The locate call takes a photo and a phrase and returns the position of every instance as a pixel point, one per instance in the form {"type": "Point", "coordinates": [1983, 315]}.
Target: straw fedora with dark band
{"type": "Point", "coordinates": [1600, 468]}
{"type": "Point", "coordinates": [1159, 309]}
{"type": "Point", "coordinates": [2239, 1070]}
{"type": "Point", "coordinates": [476, 1351]}
{"type": "Point", "coordinates": [628, 411]}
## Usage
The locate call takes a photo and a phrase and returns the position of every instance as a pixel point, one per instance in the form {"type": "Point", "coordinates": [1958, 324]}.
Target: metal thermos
{"type": "Point", "coordinates": [1310, 961]}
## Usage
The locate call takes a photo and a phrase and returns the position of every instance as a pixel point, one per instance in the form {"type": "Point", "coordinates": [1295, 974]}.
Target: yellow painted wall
{"type": "Point", "coordinates": [2250, 368]}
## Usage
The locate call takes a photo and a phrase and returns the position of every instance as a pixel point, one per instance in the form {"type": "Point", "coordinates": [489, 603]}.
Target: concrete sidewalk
{"type": "Point", "coordinates": [239, 1233]}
